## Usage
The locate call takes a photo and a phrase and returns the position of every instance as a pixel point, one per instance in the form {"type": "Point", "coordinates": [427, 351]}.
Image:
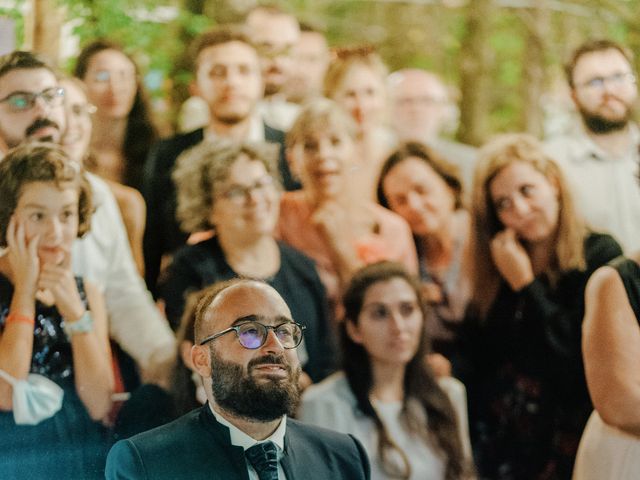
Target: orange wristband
{"type": "Point", "coordinates": [19, 318]}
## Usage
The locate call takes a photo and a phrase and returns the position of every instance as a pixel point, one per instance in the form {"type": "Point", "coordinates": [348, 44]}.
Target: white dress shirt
{"type": "Point", "coordinates": [103, 256]}
{"type": "Point", "coordinates": [606, 189]}
{"type": "Point", "coordinates": [278, 113]}
{"type": "Point", "coordinates": [332, 404]}
{"type": "Point", "coordinates": [241, 439]}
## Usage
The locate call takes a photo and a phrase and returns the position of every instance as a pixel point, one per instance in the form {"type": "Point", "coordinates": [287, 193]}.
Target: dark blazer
{"type": "Point", "coordinates": [196, 446]}
{"type": "Point", "coordinates": [162, 234]}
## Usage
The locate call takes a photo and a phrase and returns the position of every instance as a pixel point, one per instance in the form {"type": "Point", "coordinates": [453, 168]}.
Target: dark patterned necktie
{"type": "Point", "coordinates": [264, 459]}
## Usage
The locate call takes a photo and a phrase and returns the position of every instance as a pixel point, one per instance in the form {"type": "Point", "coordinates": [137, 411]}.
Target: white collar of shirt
{"type": "Point", "coordinates": [241, 439]}
{"type": "Point", "coordinates": [585, 147]}
{"type": "Point", "coordinates": [255, 133]}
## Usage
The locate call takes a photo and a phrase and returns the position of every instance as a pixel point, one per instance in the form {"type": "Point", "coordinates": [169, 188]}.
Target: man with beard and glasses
{"type": "Point", "coordinates": [32, 108]}
{"type": "Point", "coordinates": [228, 78]}
{"type": "Point", "coordinates": [245, 352]}
{"type": "Point", "coordinates": [30, 101]}
{"type": "Point", "coordinates": [600, 157]}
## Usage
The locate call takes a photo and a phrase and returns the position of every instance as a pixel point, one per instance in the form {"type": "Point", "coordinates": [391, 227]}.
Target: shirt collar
{"type": "Point", "coordinates": [585, 147]}
{"type": "Point", "coordinates": [241, 439]}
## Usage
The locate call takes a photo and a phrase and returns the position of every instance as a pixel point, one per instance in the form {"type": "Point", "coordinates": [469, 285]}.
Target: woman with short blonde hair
{"type": "Point", "coordinates": [329, 219]}
{"type": "Point", "coordinates": [356, 81]}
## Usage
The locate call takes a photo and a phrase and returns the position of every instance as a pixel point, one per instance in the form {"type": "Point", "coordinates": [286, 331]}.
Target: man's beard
{"type": "Point", "coordinates": [271, 89]}
{"type": "Point", "coordinates": [599, 124]}
{"type": "Point", "coordinates": [239, 394]}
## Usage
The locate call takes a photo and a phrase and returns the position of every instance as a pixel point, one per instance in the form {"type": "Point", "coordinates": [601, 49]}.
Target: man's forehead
{"type": "Point", "coordinates": [229, 53]}
{"type": "Point", "coordinates": [314, 40]}
{"type": "Point", "coordinates": [274, 28]}
{"type": "Point", "coordinates": [601, 61]}
{"type": "Point", "coordinates": [246, 299]}
{"type": "Point", "coordinates": [416, 82]}
{"type": "Point", "coordinates": [27, 79]}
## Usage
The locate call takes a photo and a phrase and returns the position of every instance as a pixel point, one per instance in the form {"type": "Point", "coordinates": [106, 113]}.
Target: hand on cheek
{"type": "Point", "coordinates": [23, 257]}
{"type": "Point", "coordinates": [511, 259]}
{"type": "Point", "coordinates": [58, 283]}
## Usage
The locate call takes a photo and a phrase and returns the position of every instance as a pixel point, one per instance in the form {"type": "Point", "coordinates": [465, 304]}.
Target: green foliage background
{"type": "Point", "coordinates": [421, 33]}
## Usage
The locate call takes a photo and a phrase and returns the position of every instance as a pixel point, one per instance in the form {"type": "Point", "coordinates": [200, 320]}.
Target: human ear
{"type": "Point", "coordinates": [201, 360]}
{"type": "Point", "coordinates": [353, 332]}
{"type": "Point", "coordinates": [574, 96]}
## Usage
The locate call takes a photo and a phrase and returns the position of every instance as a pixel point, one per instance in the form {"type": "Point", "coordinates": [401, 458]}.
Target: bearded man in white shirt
{"type": "Point", "coordinates": [600, 156]}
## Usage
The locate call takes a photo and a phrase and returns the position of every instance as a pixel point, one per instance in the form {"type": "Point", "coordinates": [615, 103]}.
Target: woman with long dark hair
{"type": "Point", "coordinates": [425, 190]}
{"type": "Point", "coordinates": [123, 131]}
{"type": "Point", "coordinates": [387, 396]}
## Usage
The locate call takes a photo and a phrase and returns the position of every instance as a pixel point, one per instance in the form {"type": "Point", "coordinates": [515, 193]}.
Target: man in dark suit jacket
{"type": "Point", "coordinates": [245, 354]}
{"type": "Point", "coordinates": [229, 79]}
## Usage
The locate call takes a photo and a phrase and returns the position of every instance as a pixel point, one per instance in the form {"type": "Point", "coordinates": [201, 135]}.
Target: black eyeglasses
{"type": "Point", "coordinates": [239, 194]}
{"type": "Point", "coordinates": [23, 101]}
{"type": "Point", "coordinates": [253, 335]}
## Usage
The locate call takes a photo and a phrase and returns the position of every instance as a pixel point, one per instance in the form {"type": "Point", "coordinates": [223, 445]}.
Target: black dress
{"type": "Point", "coordinates": [197, 266]}
{"type": "Point", "coordinates": [528, 400]}
{"type": "Point", "coordinates": [68, 445]}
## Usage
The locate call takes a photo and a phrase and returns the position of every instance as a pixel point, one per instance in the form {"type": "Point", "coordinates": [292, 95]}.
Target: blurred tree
{"type": "Point", "coordinates": [501, 53]}
{"type": "Point", "coordinates": [475, 79]}
{"type": "Point", "coordinates": [534, 82]}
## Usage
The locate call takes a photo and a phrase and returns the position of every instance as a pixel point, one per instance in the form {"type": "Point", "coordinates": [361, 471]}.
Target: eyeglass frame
{"type": "Point", "coordinates": [600, 82]}
{"type": "Point", "coordinates": [236, 328]}
{"type": "Point", "coordinates": [241, 193]}
{"type": "Point", "coordinates": [33, 97]}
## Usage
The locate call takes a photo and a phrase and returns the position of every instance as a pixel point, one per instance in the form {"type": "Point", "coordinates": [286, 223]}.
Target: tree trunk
{"type": "Point", "coordinates": [46, 25]}
{"type": "Point", "coordinates": [475, 84]}
{"type": "Point", "coordinates": [535, 67]}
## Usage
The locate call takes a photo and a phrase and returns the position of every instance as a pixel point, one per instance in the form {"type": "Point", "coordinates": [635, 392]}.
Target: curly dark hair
{"type": "Point", "coordinates": [40, 162]}
{"type": "Point", "coordinates": [419, 382]}
{"type": "Point", "coordinates": [141, 132]}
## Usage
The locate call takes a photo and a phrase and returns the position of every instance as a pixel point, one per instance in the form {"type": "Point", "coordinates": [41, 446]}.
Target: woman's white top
{"type": "Point", "coordinates": [331, 404]}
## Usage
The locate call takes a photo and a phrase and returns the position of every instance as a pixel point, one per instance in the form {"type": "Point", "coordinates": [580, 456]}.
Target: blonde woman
{"type": "Point", "coordinates": [355, 80]}
{"type": "Point", "coordinates": [532, 258]}
{"type": "Point", "coordinates": [329, 219]}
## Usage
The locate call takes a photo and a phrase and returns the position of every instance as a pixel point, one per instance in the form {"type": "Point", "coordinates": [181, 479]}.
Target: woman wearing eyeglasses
{"type": "Point", "coordinates": [413, 426]}
{"type": "Point", "coordinates": [232, 189]}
